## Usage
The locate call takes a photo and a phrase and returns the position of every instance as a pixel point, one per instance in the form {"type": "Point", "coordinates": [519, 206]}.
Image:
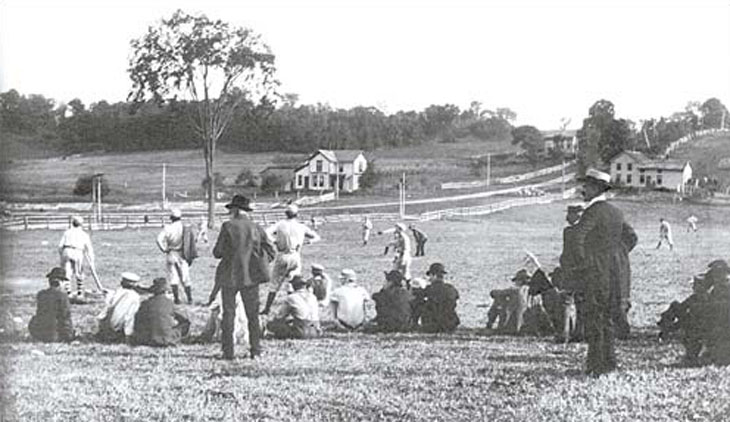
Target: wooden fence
{"type": "Point", "coordinates": [505, 180]}
{"type": "Point", "coordinates": [689, 137]}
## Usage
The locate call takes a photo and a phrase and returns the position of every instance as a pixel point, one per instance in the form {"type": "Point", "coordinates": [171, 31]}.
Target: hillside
{"type": "Point", "coordinates": [137, 177]}
{"type": "Point", "coordinates": [709, 156]}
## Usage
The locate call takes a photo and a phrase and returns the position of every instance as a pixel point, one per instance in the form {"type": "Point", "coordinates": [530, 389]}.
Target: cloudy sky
{"type": "Point", "coordinates": [544, 59]}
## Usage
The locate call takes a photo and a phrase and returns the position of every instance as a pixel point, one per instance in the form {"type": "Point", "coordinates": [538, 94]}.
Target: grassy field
{"type": "Point", "coordinates": [709, 157]}
{"type": "Point", "coordinates": [469, 375]}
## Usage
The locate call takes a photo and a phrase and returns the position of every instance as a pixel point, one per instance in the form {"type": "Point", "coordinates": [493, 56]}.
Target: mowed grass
{"type": "Point", "coordinates": [469, 375]}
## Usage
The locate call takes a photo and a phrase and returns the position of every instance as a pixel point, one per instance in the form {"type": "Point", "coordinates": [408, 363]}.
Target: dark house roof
{"type": "Point", "coordinates": [668, 165]}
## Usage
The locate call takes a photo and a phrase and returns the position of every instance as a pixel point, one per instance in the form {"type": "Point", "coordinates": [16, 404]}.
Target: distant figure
{"type": "Point", "coordinates": [170, 242]}
{"type": "Point", "coordinates": [420, 237]}
{"type": "Point", "coordinates": [298, 317]}
{"type": "Point", "coordinates": [202, 231]}
{"type": "Point", "coordinates": [665, 233]}
{"type": "Point", "coordinates": [393, 306]}
{"type": "Point", "coordinates": [402, 260]}
{"type": "Point", "coordinates": [75, 245]}
{"type": "Point", "coordinates": [348, 302]}
{"type": "Point", "coordinates": [691, 223]}
{"type": "Point", "coordinates": [52, 320]}
{"type": "Point", "coordinates": [367, 226]}
{"type": "Point", "coordinates": [158, 322]}
{"type": "Point", "coordinates": [313, 222]}
{"type": "Point", "coordinates": [116, 321]}
{"type": "Point", "coordinates": [289, 237]}
{"type": "Point", "coordinates": [439, 313]}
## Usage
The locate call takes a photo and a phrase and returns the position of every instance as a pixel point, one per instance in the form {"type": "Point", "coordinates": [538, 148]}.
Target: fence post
{"type": "Point", "coordinates": [25, 222]}
{"type": "Point", "coordinates": [48, 223]}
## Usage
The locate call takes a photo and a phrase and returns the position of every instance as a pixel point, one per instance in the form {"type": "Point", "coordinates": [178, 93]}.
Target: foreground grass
{"type": "Point", "coordinates": [466, 376]}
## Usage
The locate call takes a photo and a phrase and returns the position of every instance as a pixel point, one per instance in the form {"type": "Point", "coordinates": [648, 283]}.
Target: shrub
{"type": "Point", "coordinates": [370, 177]}
{"type": "Point", "coordinates": [84, 185]}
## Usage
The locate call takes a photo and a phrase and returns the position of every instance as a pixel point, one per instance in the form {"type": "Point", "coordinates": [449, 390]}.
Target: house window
{"type": "Point", "coordinates": [319, 166]}
{"type": "Point", "coordinates": [362, 167]}
{"type": "Point", "coordinates": [300, 180]}
{"type": "Point", "coordinates": [659, 180]}
{"type": "Point", "coordinates": [618, 166]}
{"type": "Point", "coordinates": [628, 178]}
{"type": "Point", "coordinates": [659, 171]}
{"type": "Point", "coordinates": [342, 168]}
{"type": "Point", "coordinates": [641, 179]}
{"type": "Point", "coordinates": [629, 166]}
{"type": "Point", "coordinates": [321, 180]}
{"type": "Point", "coordinates": [314, 181]}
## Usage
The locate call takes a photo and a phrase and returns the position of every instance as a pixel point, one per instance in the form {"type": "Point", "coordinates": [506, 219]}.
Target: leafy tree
{"type": "Point", "coordinates": [602, 136]}
{"type": "Point", "coordinates": [215, 65]}
{"type": "Point", "coordinates": [531, 140]}
{"type": "Point", "coordinates": [218, 180]}
{"type": "Point", "coordinates": [712, 114]}
{"type": "Point", "coordinates": [370, 176]}
{"type": "Point", "coordinates": [84, 185]}
{"type": "Point", "coordinates": [272, 182]}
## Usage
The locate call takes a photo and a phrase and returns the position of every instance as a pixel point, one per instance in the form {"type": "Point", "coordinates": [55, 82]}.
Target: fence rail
{"type": "Point", "coordinates": [505, 180]}
{"type": "Point", "coordinates": [689, 137]}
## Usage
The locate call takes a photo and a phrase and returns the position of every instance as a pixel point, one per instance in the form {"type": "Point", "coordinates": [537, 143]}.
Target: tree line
{"type": "Point", "coordinates": [74, 127]}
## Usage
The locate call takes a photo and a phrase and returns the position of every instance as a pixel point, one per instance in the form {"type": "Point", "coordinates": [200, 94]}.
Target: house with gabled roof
{"type": "Point", "coordinates": [634, 168]}
{"type": "Point", "coordinates": [562, 140]}
{"type": "Point", "coordinates": [331, 170]}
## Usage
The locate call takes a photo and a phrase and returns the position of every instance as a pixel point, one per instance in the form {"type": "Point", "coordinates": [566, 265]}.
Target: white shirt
{"type": "Point", "coordinates": [123, 305]}
{"type": "Point", "coordinates": [171, 237]}
{"type": "Point", "coordinates": [301, 305]}
{"type": "Point", "coordinates": [599, 198]}
{"type": "Point", "coordinates": [350, 299]}
{"type": "Point", "coordinates": [665, 228]}
{"type": "Point", "coordinates": [289, 235]}
{"type": "Point", "coordinates": [76, 238]}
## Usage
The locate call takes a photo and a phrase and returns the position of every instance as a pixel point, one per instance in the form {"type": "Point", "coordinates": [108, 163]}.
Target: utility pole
{"type": "Point", "coordinates": [164, 175]}
{"type": "Point", "coordinates": [93, 199]}
{"type": "Point", "coordinates": [722, 122]}
{"type": "Point", "coordinates": [402, 199]}
{"type": "Point", "coordinates": [489, 168]}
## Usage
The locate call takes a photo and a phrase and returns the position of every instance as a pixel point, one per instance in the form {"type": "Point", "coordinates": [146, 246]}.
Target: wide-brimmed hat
{"type": "Point", "coordinates": [521, 277]}
{"type": "Point", "coordinates": [718, 263]}
{"type": "Point", "coordinates": [240, 202]}
{"type": "Point", "coordinates": [394, 276]}
{"type": "Point", "coordinates": [175, 213]}
{"type": "Point", "coordinates": [436, 268]}
{"type": "Point", "coordinates": [400, 226]}
{"type": "Point", "coordinates": [57, 273]}
{"type": "Point", "coordinates": [159, 285]}
{"type": "Point", "coordinates": [597, 176]}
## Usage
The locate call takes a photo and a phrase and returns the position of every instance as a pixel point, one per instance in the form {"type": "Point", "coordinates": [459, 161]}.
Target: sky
{"type": "Point", "coordinates": [546, 60]}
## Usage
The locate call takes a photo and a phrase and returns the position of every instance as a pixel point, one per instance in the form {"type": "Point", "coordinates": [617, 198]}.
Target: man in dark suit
{"type": "Point", "coordinates": [158, 322]}
{"type": "Point", "coordinates": [439, 313]}
{"type": "Point", "coordinates": [244, 251]}
{"type": "Point", "coordinates": [603, 242]}
{"type": "Point", "coordinates": [52, 320]}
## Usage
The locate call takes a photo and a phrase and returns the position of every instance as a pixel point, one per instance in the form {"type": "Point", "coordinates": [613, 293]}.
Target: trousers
{"type": "Point", "coordinates": [250, 297]}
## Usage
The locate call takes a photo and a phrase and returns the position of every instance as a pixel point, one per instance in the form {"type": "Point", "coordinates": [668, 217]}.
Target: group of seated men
{"type": "Point", "coordinates": [399, 306]}
{"type": "Point", "coordinates": [156, 321]}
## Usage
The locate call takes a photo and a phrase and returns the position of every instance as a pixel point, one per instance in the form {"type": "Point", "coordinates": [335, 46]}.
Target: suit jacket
{"type": "Point", "coordinates": [159, 323]}
{"type": "Point", "coordinates": [52, 321]}
{"type": "Point", "coordinates": [244, 251]}
{"type": "Point", "coordinates": [190, 238]}
{"type": "Point", "coordinates": [603, 241]}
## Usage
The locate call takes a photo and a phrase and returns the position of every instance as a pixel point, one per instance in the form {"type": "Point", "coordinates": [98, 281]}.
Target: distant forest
{"type": "Point", "coordinates": [126, 126]}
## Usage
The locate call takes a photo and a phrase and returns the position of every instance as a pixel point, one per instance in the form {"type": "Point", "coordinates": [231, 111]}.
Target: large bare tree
{"type": "Point", "coordinates": [210, 63]}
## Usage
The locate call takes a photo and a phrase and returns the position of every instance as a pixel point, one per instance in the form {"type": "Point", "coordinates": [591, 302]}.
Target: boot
{"type": "Point", "coordinates": [189, 294]}
{"type": "Point", "coordinates": [176, 294]}
{"type": "Point", "coordinates": [269, 302]}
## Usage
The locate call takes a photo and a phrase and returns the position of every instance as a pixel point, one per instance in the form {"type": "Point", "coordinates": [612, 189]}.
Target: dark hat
{"type": "Point", "coordinates": [240, 202]}
{"type": "Point", "coordinates": [159, 285]}
{"type": "Point", "coordinates": [718, 263]}
{"type": "Point", "coordinates": [575, 208]}
{"type": "Point", "coordinates": [436, 268]}
{"type": "Point", "coordinates": [521, 276]}
{"type": "Point", "coordinates": [57, 273]}
{"type": "Point", "coordinates": [297, 281]}
{"type": "Point", "coordinates": [598, 177]}
{"type": "Point", "coordinates": [394, 276]}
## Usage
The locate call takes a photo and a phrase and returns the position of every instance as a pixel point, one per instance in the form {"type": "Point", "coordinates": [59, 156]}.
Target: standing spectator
{"type": "Point", "coordinates": [603, 242]}
{"type": "Point", "coordinates": [439, 313]}
{"type": "Point", "coordinates": [75, 244]}
{"type": "Point", "coordinates": [367, 226]}
{"type": "Point", "coordinates": [116, 321]}
{"type": "Point", "coordinates": [691, 223]}
{"type": "Point", "coordinates": [170, 242]}
{"type": "Point", "coordinates": [298, 317]}
{"type": "Point", "coordinates": [243, 248]}
{"type": "Point", "coordinates": [402, 260]}
{"type": "Point", "coordinates": [393, 305]}
{"type": "Point", "coordinates": [158, 322]}
{"type": "Point", "coordinates": [348, 302]}
{"type": "Point", "coordinates": [420, 237]}
{"type": "Point", "coordinates": [52, 320]}
{"type": "Point", "coordinates": [566, 278]}
{"type": "Point", "coordinates": [289, 237]}
{"type": "Point", "coordinates": [665, 233]}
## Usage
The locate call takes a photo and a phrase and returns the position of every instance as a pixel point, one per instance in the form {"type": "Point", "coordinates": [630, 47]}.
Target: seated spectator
{"type": "Point", "coordinates": [439, 312]}
{"type": "Point", "coordinates": [393, 305]}
{"type": "Point", "coordinates": [418, 291]}
{"type": "Point", "coordinates": [320, 284]}
{"type": "Point", "coordinates": [158, 321]}
{"type": "Point", "coordinates": [116, 321]}
{"type": "Point", "coordinates": [212, 331]}
{"type": "Point", "coordinates": [52, 320]}
{"type": "Point", "coordinates": [298, 316]}
{"type": "Point", "coordinates": [348, 302]}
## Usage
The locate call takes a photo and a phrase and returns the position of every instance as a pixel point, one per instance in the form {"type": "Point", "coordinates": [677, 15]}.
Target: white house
{"type": "Point", "coordinates": [323, 169]}
{"type": "Point", "coordinates": [565, 140]}
{"type": "Point", "coordinates": [633, 168]}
